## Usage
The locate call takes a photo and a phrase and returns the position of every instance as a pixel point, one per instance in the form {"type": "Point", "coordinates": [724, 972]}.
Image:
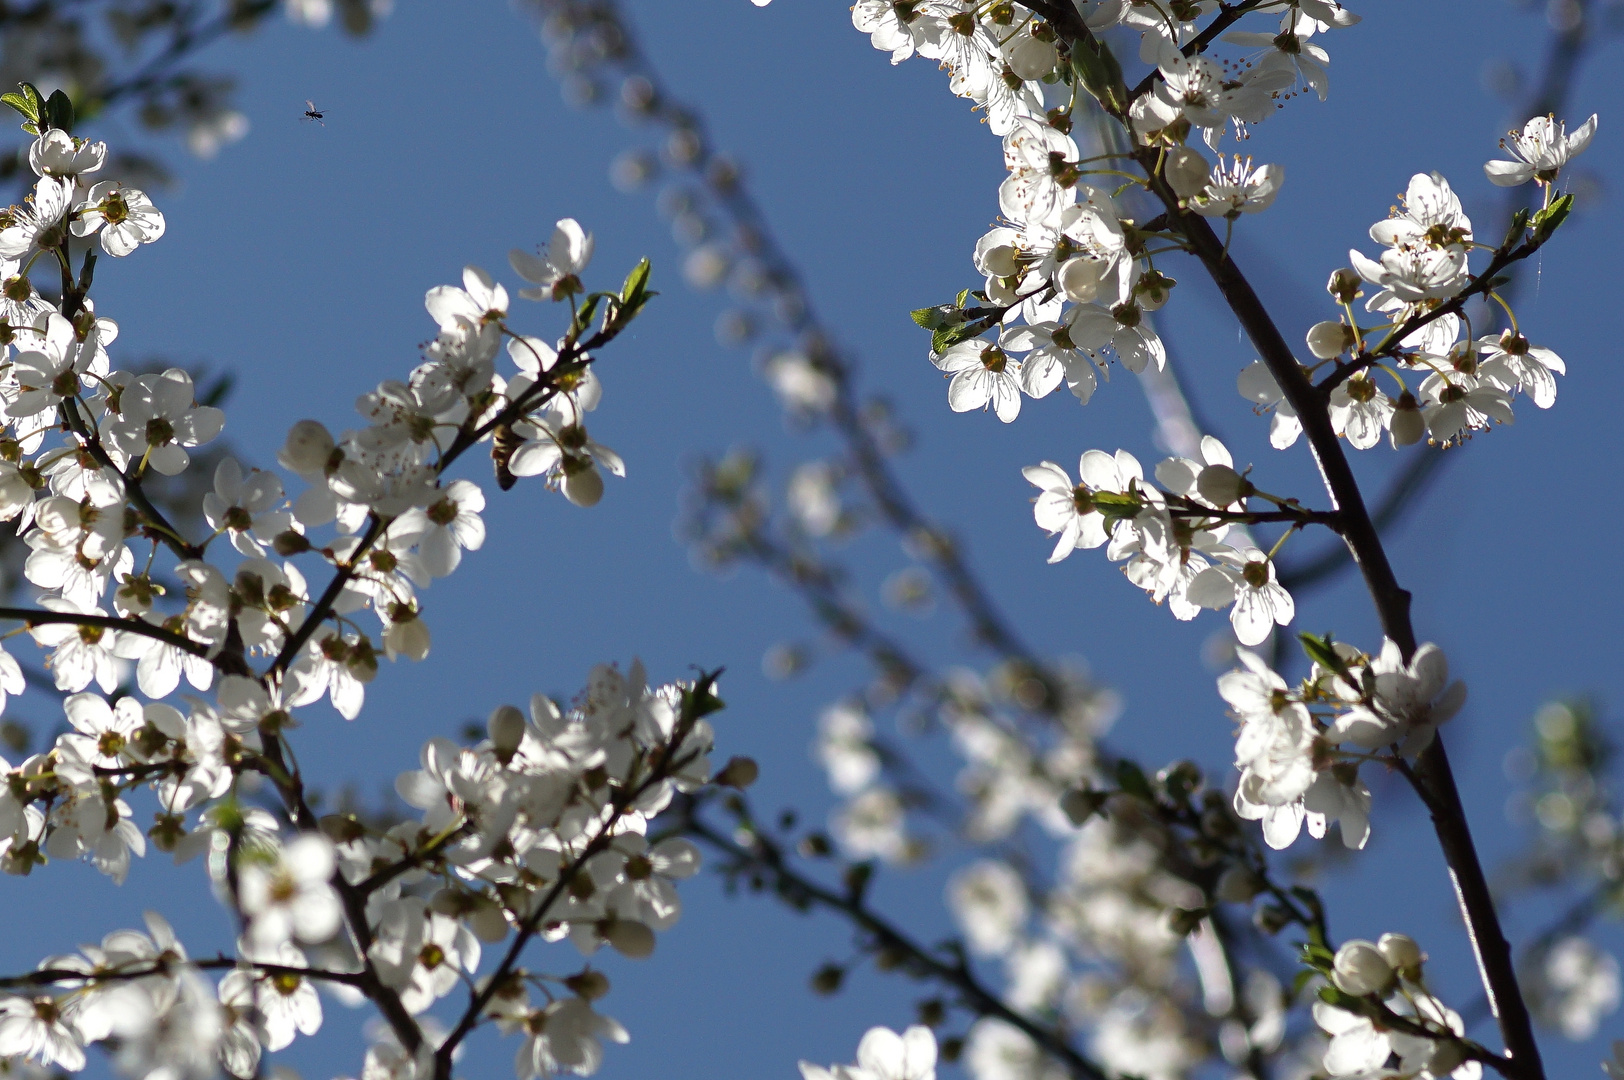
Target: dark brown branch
{"type": "Point", "coordinates": [1392, 601]}
{"type": "Point", "coordinates": [54, 976]}
{"type": "Point", "coordinates": [31, 617]}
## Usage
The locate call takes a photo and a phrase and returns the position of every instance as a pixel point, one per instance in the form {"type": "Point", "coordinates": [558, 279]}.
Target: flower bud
{"type": "Point", "coordinates": [590, 985]}
{"type": "Point", "coordinates": [1079, 279]}
{"type": "Point", "coordinates": [1238, 885]}
{"type": "Point", "coordinates": [631, 939]}
{"type": "Point", "coordinates": [1403, 953]}
{"type": "Point", "coordinates": [1186, 172]}
{"type": "Point", "coordinates": [1271, 918]}
{"type": "Point", "coordinates": [1328, 340]}
{"type": "Point", "coordinates": [1407, 425]}
{"type": "Point", "coordinates": [1223, 486]}
{"type": "Point", "coordinates": [1447, 1056]}
{"type": "Point", "coordinates": [1344, 285]}
{"type": "Point", "coordinates": [739, 772]}
{"type": "Point", "coordinates": [506, 728]}
{"type": "Point", "coordinates": [582, 484]}
{"type": "Point", "coordinates": [307, 449]}
{"type": "Point", "coordinates": [1080, 804]}
{"type": "Point", "coordinates": [827, 979]}
{"type": "Point", "coordinates": [487, 922]}
{"type": "Point", "coordinates": [1360, 969]}
{"type": "Point", "coordinates": [290, 542]}
{"type": "Point", "coordinates": [1032, 59]}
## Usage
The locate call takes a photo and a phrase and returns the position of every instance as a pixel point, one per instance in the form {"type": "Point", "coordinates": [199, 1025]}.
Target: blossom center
{"type": "Point", "coordinates": [994, 359]}
{"type": "Point", "coordinates": [159, 431]}
{"type": "Point", "coordinates": [1256, 574]}
{"type": "Point", "coordinates": [443, 512]}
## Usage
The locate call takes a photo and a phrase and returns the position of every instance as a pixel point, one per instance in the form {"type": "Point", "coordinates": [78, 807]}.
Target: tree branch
{"type": "Point", "coordinates": [1392, 601]}
{"type": "Point", "coordinates": [766, 857]}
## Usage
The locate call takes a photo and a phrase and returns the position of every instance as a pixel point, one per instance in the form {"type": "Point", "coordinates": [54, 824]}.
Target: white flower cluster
{"type": "Point", "coordinates": [884, 1055]}
{"type": "Point", "coordinates": [539, 828]}
{"type": "Point", "coordinates": [1299, 750]}
{"type": "Point", "coordinates": [537, 831]}
{"type": "Point", "coordinates": [1388, 1023]}
{"type": "Point", "coordinates": [1068, 259]}
{"type": "Point", "coordinates": [1462, 385]}
{"type": "Point", "coordinates": [1008, 776]}
{"type": "Point", "coordinates": [1175, 538]}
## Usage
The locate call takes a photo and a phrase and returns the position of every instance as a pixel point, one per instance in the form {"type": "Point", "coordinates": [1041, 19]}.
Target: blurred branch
{"type": "Point", "coordinates": [761, 856]}
{"type": "Point", "coordinates": [598, 34]}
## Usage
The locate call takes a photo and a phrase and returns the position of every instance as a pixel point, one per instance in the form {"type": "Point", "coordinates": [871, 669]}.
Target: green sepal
{"type": "Point", "coordinates": [701, 700]}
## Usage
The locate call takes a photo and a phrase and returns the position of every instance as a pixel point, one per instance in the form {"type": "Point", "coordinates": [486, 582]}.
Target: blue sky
{"type": "Point", "coordinates": [298, 259]}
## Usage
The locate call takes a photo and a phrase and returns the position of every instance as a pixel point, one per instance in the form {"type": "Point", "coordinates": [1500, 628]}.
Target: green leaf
{"type": "Point", "coordinates": [962, 299]}
{"type": "Point", "coordinates": [58, 111]}
{"type": "Point", "coordinates": [1546, 221]}
{"type": "Point", "coordinates": [636, 283]}
{"type": "Point", "coordinates": [29, 104]}
{"type": "Point", "coordinates": [1131, 779]}
{"type": "Point", "coordinates": [1519, 225]}
{"type": "Point", "coordinates": [930, 318]}
{"type": "Point", "coordinates": [1301, 980]}
{"type": "Point", "coordinates": [949, 336]}
{"type": "Point", "coordinates": [1322, 651]}
{"type": "Point", "coordinates": [1100, 73]}
{"type": "Point", "coordinates": [1115, 504]}
{"type": "Point", "coordinates": [583, 316]}
{"type": "Point", "coordinates": [1332, 996]}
